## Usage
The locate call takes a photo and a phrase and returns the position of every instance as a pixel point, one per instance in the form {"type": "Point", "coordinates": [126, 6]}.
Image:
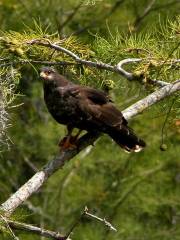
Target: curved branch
{"type": "Point", "coordinates": [99, 65]}
{"type": "Point", "coordinates": [129, 75]}
{"type": "Point", "coordinates": [58, 162]}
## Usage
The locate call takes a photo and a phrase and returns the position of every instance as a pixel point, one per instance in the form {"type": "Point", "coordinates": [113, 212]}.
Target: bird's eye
{"type": "Point", "coordinates": [48, 72]}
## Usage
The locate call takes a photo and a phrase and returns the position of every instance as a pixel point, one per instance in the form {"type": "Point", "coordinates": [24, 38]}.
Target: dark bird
{"type": "Point", "coordinates": [87, 109]}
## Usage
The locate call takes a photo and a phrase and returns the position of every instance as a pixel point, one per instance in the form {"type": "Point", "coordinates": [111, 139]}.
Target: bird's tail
{"type": "Point", "coordinates": [126, 138]}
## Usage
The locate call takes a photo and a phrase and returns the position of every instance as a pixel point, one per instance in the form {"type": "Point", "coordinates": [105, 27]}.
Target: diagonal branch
{"type": "Point", "coordinates": [151, 99]}
{"type": "Point", "coordinates": [103, 220]}
{"type": "Point", "coordinates": [33, 184]}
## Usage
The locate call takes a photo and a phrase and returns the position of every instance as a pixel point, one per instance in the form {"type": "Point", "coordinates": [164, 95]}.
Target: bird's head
{"type": "Point", "coordinates": [47, 73]}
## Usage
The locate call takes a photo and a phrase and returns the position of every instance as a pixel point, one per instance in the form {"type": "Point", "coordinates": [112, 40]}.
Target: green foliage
{"type": "Point", "coordinates": [139, 194]}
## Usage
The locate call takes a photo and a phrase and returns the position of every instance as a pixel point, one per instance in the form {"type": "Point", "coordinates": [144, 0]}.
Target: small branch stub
{"type": "Point", "coordinates": [103, 220]}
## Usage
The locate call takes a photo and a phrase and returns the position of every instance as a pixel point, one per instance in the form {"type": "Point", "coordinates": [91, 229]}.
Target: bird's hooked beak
{"type": "Point", "coordinates": [47, 74]}
{"type": "Point", "coordinates": [43, 75]}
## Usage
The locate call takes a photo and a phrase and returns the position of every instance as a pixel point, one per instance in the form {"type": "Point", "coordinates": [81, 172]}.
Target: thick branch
{"type": "Point", "coordinates": [151, 99]}
{"type": "Point", "coordinates": [58, 162]}
{"type": "Point", "coordinates": [40, 177]}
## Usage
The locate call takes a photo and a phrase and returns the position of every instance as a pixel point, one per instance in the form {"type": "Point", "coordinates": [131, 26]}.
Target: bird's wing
{"type": "Point", "coordinates": [107, 114]}
{"type": "Point", "coordinates": [95, 95]}
{"type": "Point", "coordinates": [98, 106]}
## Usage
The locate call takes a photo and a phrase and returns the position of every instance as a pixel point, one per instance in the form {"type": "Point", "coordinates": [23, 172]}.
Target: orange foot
{"type": "Point", "coordinates": [68, 143]}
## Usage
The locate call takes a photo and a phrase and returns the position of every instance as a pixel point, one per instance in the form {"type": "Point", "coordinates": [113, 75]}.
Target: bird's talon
{"type": "Point", "coordinates": [68, 146]}
{"type": "Point", "coordinates": [68, 143]}
{"type": "Point", "coordinates": [62, 142]}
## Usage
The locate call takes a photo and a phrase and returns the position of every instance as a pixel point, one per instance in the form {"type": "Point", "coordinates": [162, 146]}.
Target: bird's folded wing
{"type": "Point", "coordinates": [98, 106]}
{"type": "Point", "coordinates": [95, 95]}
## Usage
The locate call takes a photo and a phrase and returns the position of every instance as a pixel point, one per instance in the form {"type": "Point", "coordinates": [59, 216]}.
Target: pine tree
{"type": "Point", "coordinates": [130, 48]}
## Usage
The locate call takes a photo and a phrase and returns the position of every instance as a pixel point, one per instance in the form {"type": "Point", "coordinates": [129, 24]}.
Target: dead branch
{"type": "Point", "coordinates": [103, 220]}
{"type": "Point", "coordinates": [33, 229]}
{"type": "Point", "coordinates": [15, 225]}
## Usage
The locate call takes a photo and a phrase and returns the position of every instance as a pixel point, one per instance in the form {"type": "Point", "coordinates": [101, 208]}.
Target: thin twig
{"type": "Point", "coordinates": [34, 229]}
{"type": "Point", "coordinates": [51, 234]}
{"type": "Point", "coordinates": [88, 214]}
{"type": "Point", "coordinates": [103, 220]}
{"type": "Point", "coordinates": [50, 63]}
{"type": "Point", "coordinates": [8, 227]}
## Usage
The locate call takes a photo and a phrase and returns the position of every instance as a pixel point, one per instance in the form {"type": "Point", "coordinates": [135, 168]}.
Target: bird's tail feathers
{"type": "Point", "coordinates": [126, 139]}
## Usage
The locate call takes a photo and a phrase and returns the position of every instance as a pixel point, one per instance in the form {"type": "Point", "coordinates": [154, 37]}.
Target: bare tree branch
{"type": "Point", "coordinates": [7, 225]}
{"type": "Point", "coordinates": [16, 225]}
{"type": "Point", "coordinates": [99, 65]}
{"type": "Point", "coordinates": [128, 75]}
{"type": "Point", "coordinates": [119, 67]}
{"type": "Point", "coordinates": [151, 99]}
{"type": "Point", "coordinates": [58, 162]}
{"type": "Point", "coordinates": [131, 76]}
{"type": "Point", "coordinates": [24, 61]}
{"type": "Point", "coordinates": [33, 229]}
{"type": "Point", "coordinates": [103, 220]}
{"type": "Point", "coordinates": [90, 215]}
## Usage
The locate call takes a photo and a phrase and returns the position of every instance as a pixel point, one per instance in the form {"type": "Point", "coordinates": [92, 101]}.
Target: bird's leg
{"type": "Point", "coordinates": [75, 138]}
{"type": "Point", "coordinates": [66, 142]}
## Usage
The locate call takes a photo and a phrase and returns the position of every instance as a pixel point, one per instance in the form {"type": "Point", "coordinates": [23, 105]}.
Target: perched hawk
{"type": "Point", "coordinates": [87, 109]}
